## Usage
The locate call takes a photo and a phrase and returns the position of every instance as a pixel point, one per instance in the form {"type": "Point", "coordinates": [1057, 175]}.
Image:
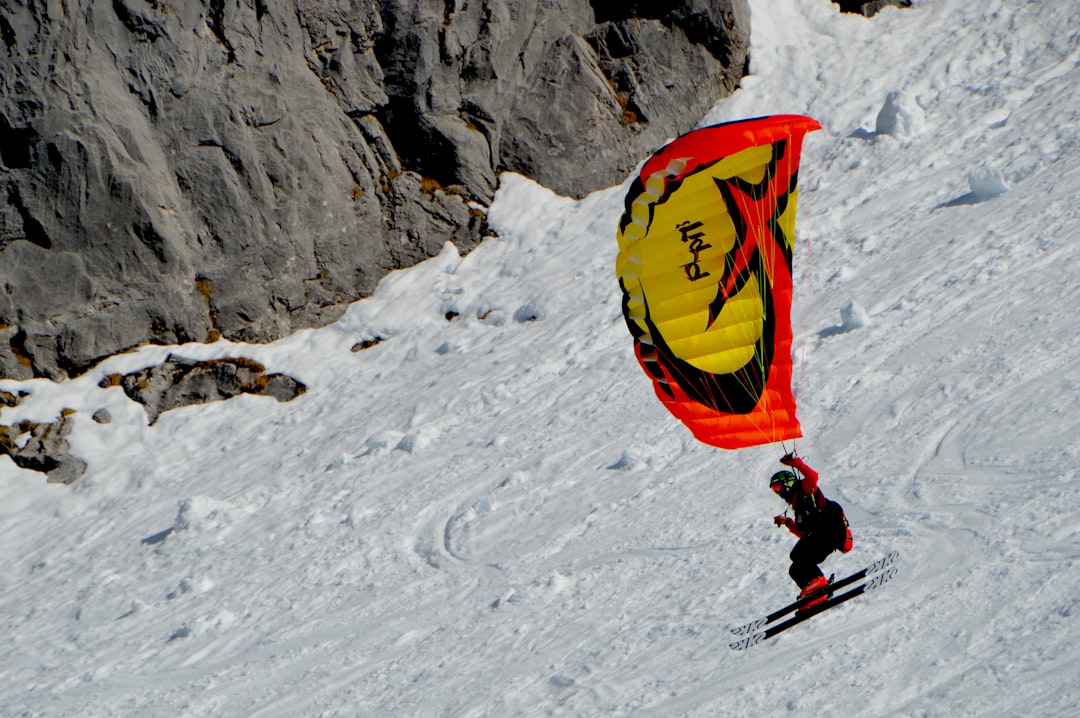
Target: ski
{"type": "Point", "coordinates": [874, 583]}
{"type": "Point", "coordinates": [876, 567]}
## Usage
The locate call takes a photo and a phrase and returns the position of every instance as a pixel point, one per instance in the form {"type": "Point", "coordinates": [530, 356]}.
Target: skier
{"type": "Point", "coordinates": [819, 523]}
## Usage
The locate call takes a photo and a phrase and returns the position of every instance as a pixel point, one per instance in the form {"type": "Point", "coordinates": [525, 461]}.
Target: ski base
{"type": "Point", "coordinates": [877, 566]}
{"type": "Point", "coordinates": [874, 583]}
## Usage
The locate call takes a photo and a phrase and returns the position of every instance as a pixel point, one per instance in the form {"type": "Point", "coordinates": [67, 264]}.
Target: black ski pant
{"type": "Point", "coordinates": [809, 551]}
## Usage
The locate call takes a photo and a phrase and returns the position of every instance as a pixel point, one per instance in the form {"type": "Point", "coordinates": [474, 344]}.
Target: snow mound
{"type": "Point", "coordinates": [900, 116]}
{"type": "Point", "coordinates": [986, 183]}
{"type": "Point", "coordinates": [202, 514]}
{"type": "Point", "coordinates": [852, 317]}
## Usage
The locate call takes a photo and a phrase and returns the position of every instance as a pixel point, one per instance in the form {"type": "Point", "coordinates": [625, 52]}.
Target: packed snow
{"type": "Point", "coordinates": [494, 516]}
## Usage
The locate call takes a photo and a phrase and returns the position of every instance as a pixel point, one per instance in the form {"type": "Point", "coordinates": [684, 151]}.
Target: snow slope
{"type": "Point", "coordinates": [493, 516]}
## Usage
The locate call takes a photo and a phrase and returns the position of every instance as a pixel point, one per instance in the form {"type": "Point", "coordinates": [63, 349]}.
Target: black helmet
{"type": "Point", "coordinates": [782, 482]}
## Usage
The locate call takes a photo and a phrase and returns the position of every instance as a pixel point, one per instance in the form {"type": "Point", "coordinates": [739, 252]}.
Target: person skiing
{"type": "Point", "coordinates": [819, 523]}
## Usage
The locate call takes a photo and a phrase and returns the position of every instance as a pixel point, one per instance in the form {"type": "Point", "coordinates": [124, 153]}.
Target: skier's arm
{"type": "Point", "coordinates": [810, 477]}
{"type": "Point", "coordinates": [788, 522]}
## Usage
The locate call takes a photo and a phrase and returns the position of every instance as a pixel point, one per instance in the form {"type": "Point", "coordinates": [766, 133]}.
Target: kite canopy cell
{"type": "Point", "coordinates": [705, 249]}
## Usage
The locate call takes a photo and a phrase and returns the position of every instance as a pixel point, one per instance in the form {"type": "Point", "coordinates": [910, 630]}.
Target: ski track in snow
{"type": "Point", "coordinates": [493, 516]}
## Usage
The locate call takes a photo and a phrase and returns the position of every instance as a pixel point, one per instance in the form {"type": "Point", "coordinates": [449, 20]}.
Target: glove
{"type": "Point", "coordinates": [788, 459]}
{"type": "Point", "coordinates": [780, 520]}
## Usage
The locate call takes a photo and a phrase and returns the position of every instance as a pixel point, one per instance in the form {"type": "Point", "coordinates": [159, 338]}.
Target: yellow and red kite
{"type": "Point", "coordinates": [705, 248]}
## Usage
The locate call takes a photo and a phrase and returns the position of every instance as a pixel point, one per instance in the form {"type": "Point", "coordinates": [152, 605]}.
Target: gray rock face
{"type": "Point", "coordinates": [569, 93]}
{"type": "Point", "coordinates": [183, 171]}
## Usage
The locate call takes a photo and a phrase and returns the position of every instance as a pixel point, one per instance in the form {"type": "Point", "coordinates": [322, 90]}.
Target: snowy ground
{"type": "Point", "coordinates": [493, 516]}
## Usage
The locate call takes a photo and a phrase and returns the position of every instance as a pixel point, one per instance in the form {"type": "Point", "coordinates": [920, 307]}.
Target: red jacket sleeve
{"type": "Point", "coordinates": [810, 477]}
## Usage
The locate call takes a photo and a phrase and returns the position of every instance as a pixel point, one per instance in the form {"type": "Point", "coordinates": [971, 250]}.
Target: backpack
{"type": "Point", "coordinates": [845, 542]}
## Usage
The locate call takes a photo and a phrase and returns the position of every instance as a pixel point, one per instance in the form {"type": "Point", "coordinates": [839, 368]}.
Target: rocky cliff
{"type": "Point", "coordinates": [182, 170]}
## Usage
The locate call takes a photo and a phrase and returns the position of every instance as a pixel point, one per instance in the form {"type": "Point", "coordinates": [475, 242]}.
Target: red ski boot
{"type": "Point", "coordinates": [809, 588]}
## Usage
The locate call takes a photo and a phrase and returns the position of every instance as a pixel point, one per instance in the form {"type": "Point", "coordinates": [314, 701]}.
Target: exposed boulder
{"type": "Point", "coordinates": [869, 8]}
{"type": "Point", "coordinates": [175, 172]}
{"type": "Point", "coordinates": [367, 344]}
{"type": "Point", "coordinates": [183, 382]}
{"type": "Point", "coordinates": [43, 447]}
{"type": "Point", "coordinates": [10, 400]}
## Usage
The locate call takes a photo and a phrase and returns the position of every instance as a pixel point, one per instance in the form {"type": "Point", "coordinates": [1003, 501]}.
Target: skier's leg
{"type": "Point", "coordinates": [809, 551]}
{"type": "Point", "coordinates": [804, 567]}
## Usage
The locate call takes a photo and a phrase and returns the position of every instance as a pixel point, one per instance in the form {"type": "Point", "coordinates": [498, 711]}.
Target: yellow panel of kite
{"type": "Point", "coordinates": [706, 245]}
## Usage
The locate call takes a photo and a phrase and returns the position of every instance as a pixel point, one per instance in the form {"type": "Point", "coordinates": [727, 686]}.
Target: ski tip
{"type": "Point", "coordinates": [881, 578]}
{"type": "Point", "coordinates": [745, 643]}
{"type": "Point", "coordinates": [887, 560]}
{"type": "Point", "coordinates": [748, 628]}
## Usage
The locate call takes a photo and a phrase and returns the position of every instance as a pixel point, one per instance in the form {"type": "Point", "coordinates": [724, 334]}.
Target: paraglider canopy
{"type": "Point", "coordinates": [705, 251]}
